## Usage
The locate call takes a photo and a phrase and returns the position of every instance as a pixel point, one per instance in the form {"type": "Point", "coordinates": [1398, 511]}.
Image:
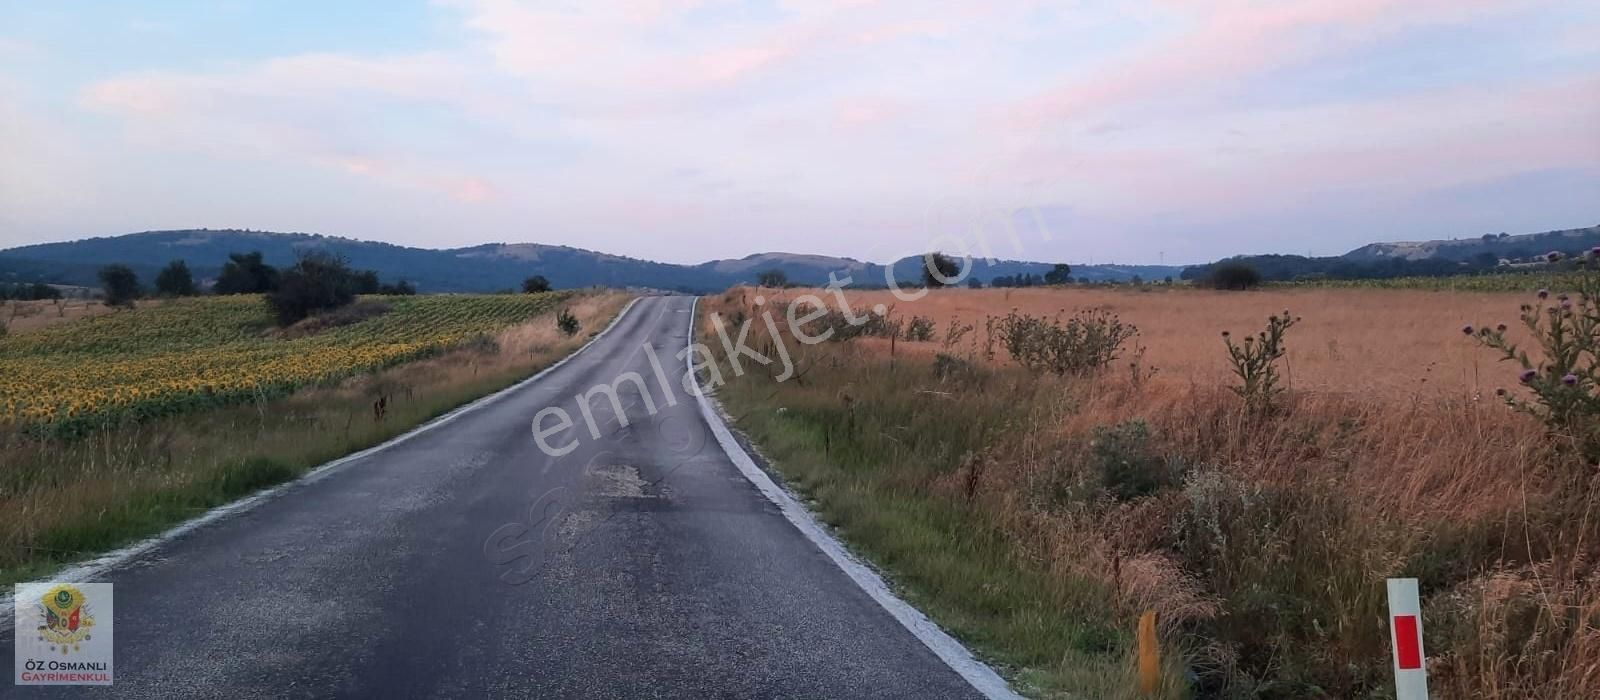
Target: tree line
{"type": "Point", "coordinates": [316, 280]}
{"type": "Point", "coordinates": [37, 291]}
{"type": "Point", "coordinates": [938, 270]}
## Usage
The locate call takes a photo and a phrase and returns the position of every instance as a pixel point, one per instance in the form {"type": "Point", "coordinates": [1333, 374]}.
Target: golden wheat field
{"type": "Point", "coordinates": [1395, 343]}
{"type": "Point", "coordinates": [1391, 457]}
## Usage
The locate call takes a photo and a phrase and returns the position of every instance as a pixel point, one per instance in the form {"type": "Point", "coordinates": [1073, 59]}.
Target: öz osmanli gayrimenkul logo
{"type": "Point", "coordinates": [63, 634]}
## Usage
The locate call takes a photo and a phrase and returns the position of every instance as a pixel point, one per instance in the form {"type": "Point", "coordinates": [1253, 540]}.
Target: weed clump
{"type": "Point", "coordinates": [1125, 463]}
{"type": "Point", "coordinates": [920, 329]}
{"type": "Point", "coordinates": [566, 322]}
{"type": "Point", "coordinates": [1255, 361]}
{"type": "Point", "coordinates": [1088, 341]}
{"type": "Point", "coordinates": [1565, 383]}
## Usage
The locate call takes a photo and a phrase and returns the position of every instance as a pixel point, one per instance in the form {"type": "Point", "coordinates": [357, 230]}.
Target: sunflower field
{"type": "Point", "coordinates": [193, 353]}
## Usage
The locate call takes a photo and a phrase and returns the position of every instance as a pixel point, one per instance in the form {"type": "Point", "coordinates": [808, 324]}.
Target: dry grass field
{"type": "Point", "coordinates": [20, 316]}
{"type": "Point", "coordinates": [1397, 343]}
{"type": "Point", "coordinates": [1261, 539]}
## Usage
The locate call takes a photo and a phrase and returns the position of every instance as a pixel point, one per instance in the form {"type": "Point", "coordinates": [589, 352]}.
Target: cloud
{"type": "Point", "coordinates": [322, 109]}
{"type": "Point", "coordinates": [1226, 40]}
{"type": "Point", "coordinates": [629, 125]}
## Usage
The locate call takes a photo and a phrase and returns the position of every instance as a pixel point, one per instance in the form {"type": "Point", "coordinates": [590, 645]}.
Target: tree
{"type": "Point", "coordinates": [120, 284]}
{"type": "Point", "coordinates": [974, 283]}
{"type": "Point", "coordinates": [245, 273]}
{"type": "Point", "coordinates": [398, 289]}
{"type": "Point", "coordinates": [939, 270]}
{"type": "Point", "coordinates": [772, 278]}
{"type": "Point", "coordinates": [1234, 275]}
{"type": "Point", "coordinates": [365, 281]}
{"type": "Point", "coordinates": [316, 282]}
{"type": "Point", "coordinates": [175, 280]}
{"type": "Point", "coordinates": [1061, 273]}
{"type": "Point", "coordinates": [535, 285]}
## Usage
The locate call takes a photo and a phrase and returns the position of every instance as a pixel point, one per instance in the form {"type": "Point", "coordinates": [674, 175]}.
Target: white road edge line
{"type": "Point", "coordinates": [95, 567]}
{"type": "Point", "coordinates": [951, 652]}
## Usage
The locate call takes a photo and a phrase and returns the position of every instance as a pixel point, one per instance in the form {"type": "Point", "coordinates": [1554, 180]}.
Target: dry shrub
{"type": "Point", "coordinates": [343, 316]}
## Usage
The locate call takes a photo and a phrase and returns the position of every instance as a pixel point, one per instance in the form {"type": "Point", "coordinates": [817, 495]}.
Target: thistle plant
{"type": "Point", "coordinates": [1564, 382]}
{"type": "Point", "coordinates": [567, 322]}
{"type": "Point", "coordinates": [1255, 361]}
{"type": "Point", "coordinates": [1082, 344]}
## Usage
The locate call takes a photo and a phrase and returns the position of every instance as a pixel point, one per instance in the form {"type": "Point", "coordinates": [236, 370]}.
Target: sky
{"type": "Point", "coordinates": [1129, 131]}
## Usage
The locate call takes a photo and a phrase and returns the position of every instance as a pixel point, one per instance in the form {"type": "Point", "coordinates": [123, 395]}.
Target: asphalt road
{"type": "Point", "coordinates": [464, 562]}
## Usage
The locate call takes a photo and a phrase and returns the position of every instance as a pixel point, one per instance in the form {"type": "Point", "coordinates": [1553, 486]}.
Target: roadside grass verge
{"type": "Point", "coordinates": [881, 463]}
{"type": "Point", "coordinates": [1036, 516]}
{"type": "Point", "coordinates": [64, 499]}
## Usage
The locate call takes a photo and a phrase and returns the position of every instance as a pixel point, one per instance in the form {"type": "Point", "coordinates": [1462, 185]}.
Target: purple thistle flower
{"type": "Point", "coordinates": [1467, 329]}
{"type": "Point", "coordinates": [1595, 252]}
{"type": "Point", "coordinates": [1544, 294]}
{"type": "Point", "coordinates": [1500, 391]}
{"type": "Point", "coordinates": [1501, 328]}
{"type": "Point", "coordinates": [1570, 380]}
{"type": "Point", "coordinates": [1553, 256]}
{"type": "Point", "coordinates": [1528, 375]}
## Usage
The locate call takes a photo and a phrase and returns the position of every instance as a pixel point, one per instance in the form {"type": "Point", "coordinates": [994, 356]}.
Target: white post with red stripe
{"type": "Point", "coordinates": [1405, 636]}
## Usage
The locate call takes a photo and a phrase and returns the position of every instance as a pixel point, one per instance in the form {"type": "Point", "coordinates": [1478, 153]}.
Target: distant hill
{"type": "Point", "coordinates": [480, 268]}
{"type": "Point", "coordinates": [1500, 245]}
{"type": "Point", "coordinates": [1486, 253]}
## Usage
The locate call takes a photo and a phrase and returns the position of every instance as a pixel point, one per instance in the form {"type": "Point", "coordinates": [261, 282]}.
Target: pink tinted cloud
{"type": "Point", "coordinates": [1390, 148]}
{"type": "Point", "coordinates": [1229, 40]}
{"type": "Point", "coordinates": [298, 108]}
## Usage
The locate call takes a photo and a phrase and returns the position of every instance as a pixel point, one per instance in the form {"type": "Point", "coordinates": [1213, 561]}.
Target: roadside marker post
{"type": "Point", "coordinates": [1149, 654]}
{"type": "Point", "coordinates": [1405, 637]}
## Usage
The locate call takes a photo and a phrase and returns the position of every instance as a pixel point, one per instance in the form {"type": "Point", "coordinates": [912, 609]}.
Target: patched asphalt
{"type": "Point", "coordinates": [466, 563]}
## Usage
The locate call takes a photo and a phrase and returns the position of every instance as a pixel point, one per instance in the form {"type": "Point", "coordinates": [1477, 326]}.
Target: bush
{"type": "Point", "coordinates": [345, 316]}
{"type": "Point", "coordinates": [245, 273]}
{"type": "Point", "coordinates": [1565, 382]}
{"type": "Point", "coordinates": [955, 332]}
{"type": "Point", "coordinates": [398, 289]}
{"type": "Point", "coordinates": [120, 284]}
{"type": "Point", "coordinates": [949, 367]}
{"type": "Point", "coordinates": [920, 329]}
{"type": "Point", "coordinates": [567, 322]}
{"type": "Point", "coordinates": [1234, 275]}
{"type": "Point", "coordinates": [1255, 361]}
{"type": "Point", "coordinates": [1126, 465]}
{"type": "Point", "coordinates": [1087, 342]}
{"type": "Point", "coordinates": [317, 282]}
{"type": "Point", "coordinates": [366, 282]}
{"type": "Point", "coordinates": [1289, 565]}
{"type": "Point", "coordinates": [175, 280]}
{"type": "Point", "coordinates": [535, 285]}
{"type": "Point", "coordinates": [772, 278]}
{"type": "Point", "coordinates": [874, 325]}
